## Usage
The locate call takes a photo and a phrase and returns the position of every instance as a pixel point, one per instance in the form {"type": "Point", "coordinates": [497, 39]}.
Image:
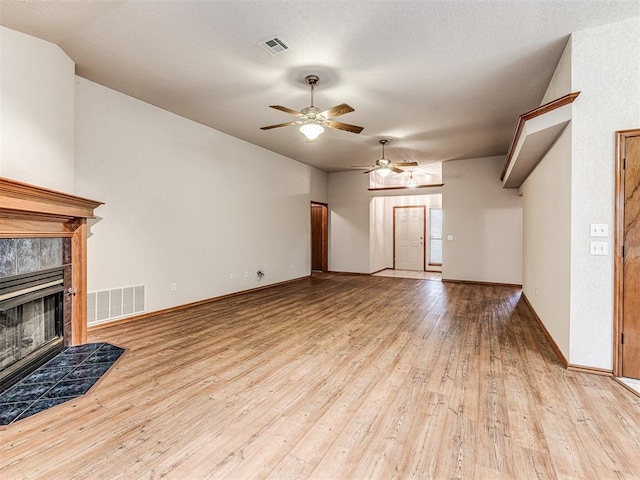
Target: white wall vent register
{"type": "Point", "coordinates": [106, 305]}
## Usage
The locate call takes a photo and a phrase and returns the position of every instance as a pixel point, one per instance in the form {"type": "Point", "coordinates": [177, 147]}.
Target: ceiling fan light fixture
{"type": "Point", "coordinates": [312, 120]}
{"type": "Point", "coordinates": [311, 130]}
{"type": "Point", "coordinates": [383, 172]}
{"type": "Point", "coordinates": [412, 182]}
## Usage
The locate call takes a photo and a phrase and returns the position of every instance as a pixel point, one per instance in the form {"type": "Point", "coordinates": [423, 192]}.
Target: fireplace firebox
{"type": "Point", "coordinates": [31, 322]}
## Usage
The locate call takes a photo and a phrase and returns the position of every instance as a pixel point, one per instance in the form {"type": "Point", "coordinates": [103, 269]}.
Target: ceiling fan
{"type": "Point", "coordinates": [312, 120]}
{"type": "Point", "coordinates": [384, 166]}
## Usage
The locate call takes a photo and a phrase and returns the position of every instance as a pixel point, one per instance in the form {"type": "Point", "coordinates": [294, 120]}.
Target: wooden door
{"type": "Point", "coordinates": [409, 234]}
{"type": "Point", "coordinates": [630, 339]}
{"type": "Point", "coordinates": [319, 237]}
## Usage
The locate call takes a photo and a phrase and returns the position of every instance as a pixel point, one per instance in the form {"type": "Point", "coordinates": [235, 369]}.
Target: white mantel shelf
{"type": "Point", "coordinates": [535, 133]}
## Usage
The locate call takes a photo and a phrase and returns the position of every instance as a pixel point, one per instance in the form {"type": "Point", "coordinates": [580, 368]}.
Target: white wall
{"type": "Point", "coordinates": [574, 186]}
{"type": "Point", "coordinates": [319, 186]}
{"type": "Point", "coordinates": [184, 203]}
{"type": "Point", "coordinates": [485, 221]}
{"type": "Point", "coordinates": [560, 84]}
{"type": "Point", "coordinates": [606, 70]}
{"type": "Point", "coordinates": [36, 108]}
{"type": "Point", "coordinates": [349, 249]}
{"type": "Point", "coordinates": [547, 240]}
{"type": "Point", "coordinates": [378, 240]}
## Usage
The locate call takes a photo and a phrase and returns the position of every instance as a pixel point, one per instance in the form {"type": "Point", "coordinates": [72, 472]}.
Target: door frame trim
{"type": "Point", "coordinates": [618, 266]}
{"type": "Point", "coordinates": [424, 232]}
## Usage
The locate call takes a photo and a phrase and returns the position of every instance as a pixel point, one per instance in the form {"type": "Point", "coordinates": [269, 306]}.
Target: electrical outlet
{"type": "Point", "coordinates": [174, 287]}
{"type": "Point", "coordinates": [246, 274]}
{"type": "Point", "coordinates": [231, 276]}
{"type": "Point", "coordinates": [599, 248]}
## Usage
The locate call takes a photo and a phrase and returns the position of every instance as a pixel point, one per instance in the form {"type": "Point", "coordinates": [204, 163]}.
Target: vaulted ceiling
{"type": "Point", "coordinates": [440, 79]}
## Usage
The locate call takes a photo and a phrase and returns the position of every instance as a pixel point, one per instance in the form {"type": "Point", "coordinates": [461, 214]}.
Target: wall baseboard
{"type": "Point", "coordinates": [474, 282]}
{"type": "Point", "coordinates": [553, 343]}
{"type": "Point", "coordinates": [349, 273]}
{"type": "Point", "coordinates": [591, 370]}
{"type": "Point", "coordinates": [627, 386]}
{"type": "Point", "coordinates": [569, 366]}
{"type": "Point", "coordinates": [186, 306]}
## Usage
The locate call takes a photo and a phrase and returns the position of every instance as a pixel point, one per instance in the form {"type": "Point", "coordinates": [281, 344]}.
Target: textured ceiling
{"type": "Point", "coordinates": [440, 79]}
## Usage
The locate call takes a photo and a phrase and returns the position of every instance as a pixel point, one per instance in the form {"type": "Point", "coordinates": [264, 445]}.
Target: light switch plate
{"type": "Point", "coordinates": [599, 248]}
{"type": "Point", "coordinates": [599, 230]}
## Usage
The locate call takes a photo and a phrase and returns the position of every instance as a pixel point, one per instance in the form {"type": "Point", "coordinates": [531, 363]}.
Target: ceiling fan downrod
{"type": "Point", "coordinates": [312, 80]}
{"type": "Point", "coordinates": [383, 143]}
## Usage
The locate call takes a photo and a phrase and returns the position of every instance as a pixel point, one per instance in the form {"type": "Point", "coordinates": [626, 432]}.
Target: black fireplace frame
{"type": "Point", "coordinates": [20, 289]}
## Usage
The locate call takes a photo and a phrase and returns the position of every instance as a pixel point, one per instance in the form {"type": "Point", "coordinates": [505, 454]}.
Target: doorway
{"type": "Point", "coordinates": [319, 237]}
{"type": "Point", "coordinates": [627, 255]}
{"type": "Point", "coordinates": [408, 237]}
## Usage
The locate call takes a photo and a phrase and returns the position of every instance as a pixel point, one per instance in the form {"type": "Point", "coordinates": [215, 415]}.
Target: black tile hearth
{"type": "Point", "coordinates": [68, 375]}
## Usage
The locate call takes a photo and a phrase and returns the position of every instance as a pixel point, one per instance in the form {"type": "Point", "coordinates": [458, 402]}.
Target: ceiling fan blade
{"type": "Point", "coordinates": [286, 110]}
{"type": "Point", "coordinates": [371, 170]}
{"type": "Point", "coordinates": [395, 169]}
{"type": "Point", "coordinates": [344, 126]}
{"type": "Point", "coordinates": [269, 127]}
{"type": "Point", "coordinates": [406, 164]}
{"type": "Point", "coordinates": [336, 111]}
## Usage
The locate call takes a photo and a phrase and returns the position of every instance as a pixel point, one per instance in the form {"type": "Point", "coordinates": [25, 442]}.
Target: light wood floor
{"type": "Point", "coordinates": [337, 377]}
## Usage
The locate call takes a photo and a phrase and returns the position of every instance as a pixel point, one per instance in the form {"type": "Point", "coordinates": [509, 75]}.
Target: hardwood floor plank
{"type": "Point", "coordinates": [336, 377]}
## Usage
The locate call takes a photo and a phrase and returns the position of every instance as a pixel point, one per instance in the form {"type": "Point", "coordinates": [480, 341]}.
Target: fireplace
{"type": "Point", "coordinates": [31, 305]}
{"type": "Point", "coordinates": [43, 235]}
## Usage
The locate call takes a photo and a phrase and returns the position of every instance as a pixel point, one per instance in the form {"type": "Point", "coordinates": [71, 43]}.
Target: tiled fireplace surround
{"type": "Point", "coordinates": [31, 212]}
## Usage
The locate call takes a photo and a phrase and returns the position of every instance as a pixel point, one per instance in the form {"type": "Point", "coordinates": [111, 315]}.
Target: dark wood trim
{"type": "Point", "coordinates": [22, 197]}
{"type": "Point", "coordinates": [79, 283]}
{"type": "Point", "coordinates": [618, 260]}
{"type": "Point", "coordinates": [325, 238]}
{"type": "Point", "coordinates": [536, 112]}
{"type": "Point", "coordinates": [402, 187]}
{"type": "Point", "coordinates": [474, 282]}
{"type": "Point", "coordinates": [591, 370]}
{"type": "Point", "coordinates": [186, 306]}
{"type": "Point", "coordinates": [349, 273]}
{"type": "Point", "coordinates": [542, 326]}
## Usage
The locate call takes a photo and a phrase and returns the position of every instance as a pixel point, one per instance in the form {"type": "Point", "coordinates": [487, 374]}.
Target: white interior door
{"type": "Point", "coordinates": [409, 238]}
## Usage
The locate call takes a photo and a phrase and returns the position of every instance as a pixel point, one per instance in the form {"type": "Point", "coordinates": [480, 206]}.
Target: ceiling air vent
{"type": "Point", "coordinates": [274, 45]}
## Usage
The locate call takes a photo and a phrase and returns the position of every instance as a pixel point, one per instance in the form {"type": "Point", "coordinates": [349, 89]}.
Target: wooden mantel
{"type": "Point", "coordinates": [28, 211]}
